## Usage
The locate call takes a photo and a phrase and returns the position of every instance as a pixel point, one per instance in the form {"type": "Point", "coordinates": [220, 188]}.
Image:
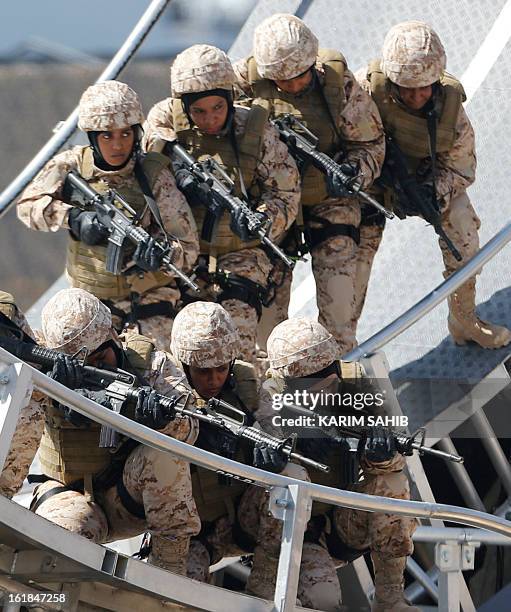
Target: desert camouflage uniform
{"type": "Point", "coordinates": [29, 428]}
{"type": "Point", "coordinates": [40, 207]}
{"type": "Point", "coordinates": [300, 347]}
{"type": "Point", "coordinates": [275, 176]}
{"type": "Point", "coordinates": [413, 56]}
{"type": "Point", "coordinates": [158, 482]}
{"type": "Point", "coordinates": [284, 48]}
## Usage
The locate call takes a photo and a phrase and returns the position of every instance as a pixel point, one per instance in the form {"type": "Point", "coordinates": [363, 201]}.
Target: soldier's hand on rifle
{"type": "Point", "coordinates": [148, 256]}
{"type": "Point", "coordinates": [80, 420]}
{"type": "Point", "coordinates": [269, 459]}
{"type": "Point", "coordinates": [149, 412]}
{"type": "Point", "coordinates": [378, 445]}
{"type": "Point", "coordinates": [68, 371]}
{"type": "Point", "coordinates": [86, 227]}
{"type": "Point", "coordinates": [336, 187]}
{"type": "Point", "coordinates": [194, 191]}
{"type": "Point", "coordinates": [239, 225]}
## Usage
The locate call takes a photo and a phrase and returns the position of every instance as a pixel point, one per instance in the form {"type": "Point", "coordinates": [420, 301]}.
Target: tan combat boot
{"type": "Point", "coordinates": [464, 324]}
{"type": "Point", "coordinates": [170, 555]}
{"type": "Point", "coordinates": [388, 583]}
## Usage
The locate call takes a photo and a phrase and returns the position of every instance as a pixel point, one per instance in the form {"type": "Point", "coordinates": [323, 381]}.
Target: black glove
{"type": "Point", "coordinates": [318, 448]}
{"type": "Point", "coordinates": [149, 412]}
{"type": "Point", "coordinates": [378, 445]}
{"type": "Point", "coordinates": [195, 192]}
{"type": "Point", "coordinates": [79, 420]}
{"type": "Point", "coordinates": [67, 371]}
{"type": "Point", "coordinates": [269, 459]}
{"type": "Point", "coordinates": [86, 227]}
{"type": "Point", "coordinates": [336, 187]}
{"type": "Point", "coordinates": [239, 225]}
{"type": "Point", "coordinates": [148, 255]}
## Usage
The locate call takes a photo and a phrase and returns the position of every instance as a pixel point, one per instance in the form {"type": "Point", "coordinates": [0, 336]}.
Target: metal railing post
{"type": "Point", "coordinates": [293, 505]}
{"type": "Point", "coordinates": [451, 558]}
{"type": "Point", "coordinates": [15, 392]}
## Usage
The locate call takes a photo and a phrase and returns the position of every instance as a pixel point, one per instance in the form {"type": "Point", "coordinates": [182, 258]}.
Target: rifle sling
{"type": "Point", "coordinates": [149, 197]}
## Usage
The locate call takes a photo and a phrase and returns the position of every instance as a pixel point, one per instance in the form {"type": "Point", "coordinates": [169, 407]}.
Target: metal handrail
{"type": "Point", "coordinates": [432, 299]}
{"type": "Point", "coordinates": [62, 135]}
{"type": "Point", "coordinates": [350, 499]}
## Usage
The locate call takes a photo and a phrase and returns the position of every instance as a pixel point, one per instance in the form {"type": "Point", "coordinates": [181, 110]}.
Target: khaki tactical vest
{"type": "Point", "coordinates": [213, 499]}
{"type": "Point", "coordinates": [409, 130]}
{"type": "Point", "coordinates": [68, 453]}
{"type": "Point", "coordinates": [310, 110]}
{"type": "Point", "coordinates": [86, 264]}
{"type": "Point", "coordinates": [201, 145]}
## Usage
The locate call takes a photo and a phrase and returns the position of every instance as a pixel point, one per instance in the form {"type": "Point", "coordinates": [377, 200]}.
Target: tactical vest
{"type": "Point", "coordinates": [86, 264]}
{"type": "Point", "coordinates": [213, 499]}
{"type": "Point", "coordinates": [68, 453]}
{"type": "Point", "coordinates": [201, 145]}
{"type": "Point", "coordinates": [352, 375]}
{"type": "Point", "coordinates": [409, 130]}
{"type": "Point", "coordinates": [310, 110]}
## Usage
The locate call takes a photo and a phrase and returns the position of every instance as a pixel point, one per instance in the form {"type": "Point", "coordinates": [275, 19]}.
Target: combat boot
{"type": "Point", "coordinates": [388, 583]}
{"type": "Point", "coordinates": [464, 324]}
{"type": "Point", "coordinates": [170, 555]}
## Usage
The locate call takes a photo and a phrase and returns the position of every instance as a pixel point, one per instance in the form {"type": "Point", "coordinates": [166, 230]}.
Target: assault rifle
{"type": "Point", "coordinates": [303, 146]}
{"type": "Point", "coordinates": [217, 188]}
{"type": "Point", "coordinates": [120, 227]}
{"type": "Point", "coordinates": [120, 387]}
{"type": "Point", "coordinates": [396, 176]}
{"type": "Point", "coordinates": [405, 445]}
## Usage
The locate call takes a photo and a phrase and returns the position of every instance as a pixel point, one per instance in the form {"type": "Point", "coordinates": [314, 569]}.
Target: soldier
{"type": "Point", "coordinates": [409, 83]}
{"type": "Point", "coordinates": [201, 116]}
{"type": "Point", "coordinates": [29, 427]}
{"type": "Point", "coordinates": [205, 344]}
{"type": "Point", "coordinates": [293, 75]}
{"type": "Point", "coordinates": [111, 115]}
{"type": "Point", "coordinates": [304, 355]}
{"type": "Point", "coordinates": [107, 494]}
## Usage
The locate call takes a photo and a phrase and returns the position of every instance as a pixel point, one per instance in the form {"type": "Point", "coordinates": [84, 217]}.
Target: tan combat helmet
{"type": "Point", "coordinates": [201, 68]}
{"type": "Point", "coordinates": [284, 47]}
{"type": "Point", "coordinates": [109, 105]}
{"type": "Point", "coordinates": [413, 55]}
{"type": "Point", "coordinates": [74, 318]}
{"type": "Point", "coordinates": [204, 336]}
{"type": "Point", "coordinates": [299, 347]}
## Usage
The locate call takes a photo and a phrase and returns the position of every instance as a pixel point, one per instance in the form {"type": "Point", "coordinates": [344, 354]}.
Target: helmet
{"type": "Point", "coordinates": [109, 105]}
{"type": "Point", "coordinates": [413, 55]}
{"type": "Point", "coordinates": [299, 347]}
{"type": "Point", "coordinates": [201, 68]}
{"type": "Point", "coordinates": [204, 336]}
{"type": "Point", "coordinates": [284, 47]}
{"type": "Point", "coordinates": [73, 319]}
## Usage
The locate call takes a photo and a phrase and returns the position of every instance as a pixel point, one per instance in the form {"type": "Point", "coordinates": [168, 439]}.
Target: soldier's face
{"type": "Point", "coordinates": [106, 357]}
{"type": "Point", "coordinates": [296, 85]}
{"type": "Point", "coordinates": [415, 97]}
{"type": "Point", "coordinates": [208, 382]}
{"type": "Point", "coordinates": [209, 114]}
{"type": "Point", "coordinates": [116, 146]}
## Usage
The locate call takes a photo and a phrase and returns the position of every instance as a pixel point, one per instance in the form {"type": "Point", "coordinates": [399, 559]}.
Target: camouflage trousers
{"type": "Point", "coordinates": [461, 224]}
{"type": "Point", "coordinates": [23, 449]}
{"type": "Point", "coordinates": [157, 328]}
{"type": "Point", "coordinates": [334, 266]}
{"type": "Point", "coordinates": [158, 481]}
{"type": "Point", "coordinates": [254, 265]}
{"type": "Point", "coordinates": [319, 586]}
